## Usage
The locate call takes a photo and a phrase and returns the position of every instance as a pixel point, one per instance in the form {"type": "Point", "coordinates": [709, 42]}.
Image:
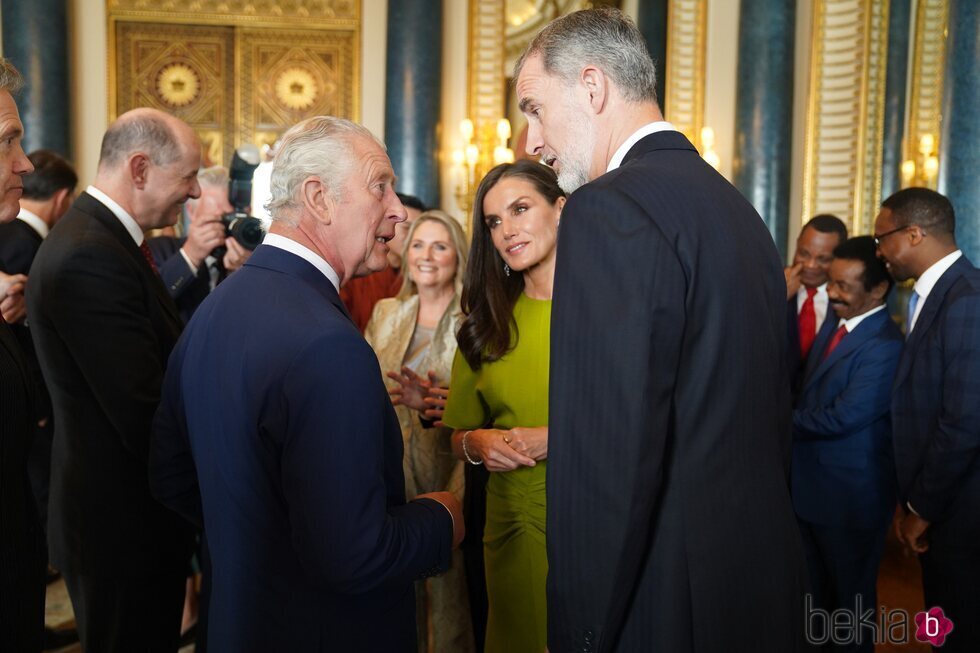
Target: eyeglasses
{"type": "Point", "coordinates": [881, 237]}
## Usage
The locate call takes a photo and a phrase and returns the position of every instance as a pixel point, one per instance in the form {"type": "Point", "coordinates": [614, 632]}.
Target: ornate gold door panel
{"type": "Point", "coordinates": [237, 72]}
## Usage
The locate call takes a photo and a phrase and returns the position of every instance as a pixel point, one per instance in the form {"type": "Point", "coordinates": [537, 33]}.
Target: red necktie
{"type": "Point", "coordinates": [148, 255]}
{"type": "Point", "coordinates": [838, 336]}
{"type": "Point", "coordinates": [808, 323]}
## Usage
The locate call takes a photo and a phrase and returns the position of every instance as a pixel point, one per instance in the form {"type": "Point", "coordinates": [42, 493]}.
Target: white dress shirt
{"type": "Point", "coordinates": [821, 303]}
{"type": "Point", "coordinates": [305, 253]}
{"type": "Point", "coordinates": [852, 323]}
{"type": "Point", "coordinates": [645, 130]}
{"type": "Point", "coordinates": [927, 280]}
{"type": "Point", "coordinates": [34, 221]}
{"type": "Point", "coordinates": [121, 214]}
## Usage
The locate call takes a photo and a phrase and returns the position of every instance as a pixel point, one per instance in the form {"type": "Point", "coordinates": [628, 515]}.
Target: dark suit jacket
{"type": "Point", "coordinates": [670, 524]}
{"type": "Point", "coordinates": [22, 556]}
{"type": "Point", "coordinates": [795, 362]}
{"type": "Point", "coordinates": [843, 461]}
{"type": "Point", "coordinates": [277, 424]}
{"type": "Point", "coordinates": [188, 289]}
{"type": "Point", "coordinates": [103, 325]}
{"type": "Point", "coordinates": [936, 408]}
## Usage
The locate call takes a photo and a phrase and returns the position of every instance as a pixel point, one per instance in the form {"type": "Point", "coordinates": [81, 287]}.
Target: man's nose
{"type": "Point", "coordinates": [535, 141]}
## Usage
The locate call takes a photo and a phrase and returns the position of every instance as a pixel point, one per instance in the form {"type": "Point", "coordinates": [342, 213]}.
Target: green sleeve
{"type": "Point", "coordinates": [465, 408]}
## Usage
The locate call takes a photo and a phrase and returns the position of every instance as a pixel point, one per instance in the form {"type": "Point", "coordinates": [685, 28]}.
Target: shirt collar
{"type": "Point", "coordinates": [35, 222]}
{"type": "Point", "coordinates": [645, 130]}
{"type": "Point", "coordinates": [928, 279]}
{"type": "Point", "coordinates": [288, 244]}
{"type": "Point", "coordinates": [121, 214]}
{"type": "Point", "coordinates": [852, 323]}
{"type": "Point", "coordinates": [821, 290]}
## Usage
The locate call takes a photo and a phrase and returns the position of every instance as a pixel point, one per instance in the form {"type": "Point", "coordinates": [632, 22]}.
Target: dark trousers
{"type": "Point", "coordinates": [951, 581]}
{"type": "Point", "coordinates": [843, 565]}
{"type": "Point", "coordinates": [130, 614]}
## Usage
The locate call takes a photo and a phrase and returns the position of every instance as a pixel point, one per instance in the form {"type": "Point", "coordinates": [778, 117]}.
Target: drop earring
{"type": "Point", "coordinates": [506, 269]}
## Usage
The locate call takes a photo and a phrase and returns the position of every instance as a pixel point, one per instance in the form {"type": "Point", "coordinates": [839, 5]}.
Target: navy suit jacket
{"type": "Point", "coordinates": [276, 431]}
{"type": "Point", "coordinates": [936, 407]}
{"type": "Point", "coordinates": [843, 463]}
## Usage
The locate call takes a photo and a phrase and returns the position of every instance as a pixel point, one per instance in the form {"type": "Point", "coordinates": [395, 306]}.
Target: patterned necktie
{"type": "Point", "coordinates": [808, 323]}
{"type": "Point", "coordinates": [913, 302]}
{"type": "Point", "coordinates": [838, 336]}
{"type": "Point", "coordinates": [148, 255]}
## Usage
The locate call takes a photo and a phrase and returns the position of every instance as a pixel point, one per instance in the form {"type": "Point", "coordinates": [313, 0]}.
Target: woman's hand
{"type": "Point", "coordinates": [492, 447]}
{"type": "Point", "coordinates": [530, 441]}
{"type": "Point", "coordinates": [414, 389]}
{"type": "Point", "coordinates": [435, 404]}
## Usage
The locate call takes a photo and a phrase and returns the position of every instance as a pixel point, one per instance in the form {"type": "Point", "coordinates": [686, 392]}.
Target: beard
{"type": "Point", "coordinates": [577, 160]}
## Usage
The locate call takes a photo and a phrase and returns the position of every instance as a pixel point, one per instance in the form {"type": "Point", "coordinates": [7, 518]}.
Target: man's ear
{"type": "Point", "coordinates": [62, 198]}
{"type": "Point", "coordinates": [138, 165]}
{"type": "Point", "coordinates": [879, 291]}
{"type": "Point", "coordinates": [597, 85]}
{"type": "Point", "coordinates": [317, 200]}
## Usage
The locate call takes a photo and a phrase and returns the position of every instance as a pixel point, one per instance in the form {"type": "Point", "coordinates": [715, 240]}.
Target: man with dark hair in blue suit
{"type": "Point", "coordinates": [277, 434]}
{"type": "Point", "coordinates": [936, 404]}
{"type": "Point", "coordinates": [843, 468]}
{"type": "Point", "coordinates": [808, 314]}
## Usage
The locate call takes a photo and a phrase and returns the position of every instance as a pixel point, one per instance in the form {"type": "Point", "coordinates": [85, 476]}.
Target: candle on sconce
{"type": "Point", "coordinates": [926, 144]}
{"type": "Point", "coordinates": [908, 171]}
{"type": "Point", "coordinates": [503, 129]}
{"type": "Point", "coordinates": [466, 129]}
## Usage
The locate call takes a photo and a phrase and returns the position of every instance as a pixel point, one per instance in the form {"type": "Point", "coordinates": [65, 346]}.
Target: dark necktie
{"type": "Point", "coordinates": [148, 255]}
{"type": "Point", "coordinates": [838, 336]}
{"type": "Point", "coordinates": [808, 323]}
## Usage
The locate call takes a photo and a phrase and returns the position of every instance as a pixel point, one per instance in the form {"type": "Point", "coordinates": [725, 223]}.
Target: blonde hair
{"type": "Point", "coordinates": [459, 244]}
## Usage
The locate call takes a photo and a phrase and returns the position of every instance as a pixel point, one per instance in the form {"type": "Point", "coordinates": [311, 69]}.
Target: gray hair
{"type": "Point", "coordinates": [322, 147]}
{"type": "Point", "coordinates": [10, 78]}
{"type": "Point", "coordinates": [603, 37]}
{"type": "Point", "coordinates": [213, 177]}
{"type": "Point", "coordinates": [140, 132]}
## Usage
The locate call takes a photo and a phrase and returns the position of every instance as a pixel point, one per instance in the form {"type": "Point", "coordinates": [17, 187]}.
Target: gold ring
{"type": "Point", "coordinates": [507, 439]}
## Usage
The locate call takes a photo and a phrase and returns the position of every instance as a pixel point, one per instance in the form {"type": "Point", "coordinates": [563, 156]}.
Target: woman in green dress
{"type": "Point", "coordinates": [498, 397]}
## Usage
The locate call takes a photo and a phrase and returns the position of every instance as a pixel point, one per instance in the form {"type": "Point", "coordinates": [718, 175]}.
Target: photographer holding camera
{"type": "Point", "coordinates": [191, 267]}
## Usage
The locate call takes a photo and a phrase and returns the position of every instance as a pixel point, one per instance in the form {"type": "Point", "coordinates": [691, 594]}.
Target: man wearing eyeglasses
{"type": "Point", "coordinates": [936, 404]}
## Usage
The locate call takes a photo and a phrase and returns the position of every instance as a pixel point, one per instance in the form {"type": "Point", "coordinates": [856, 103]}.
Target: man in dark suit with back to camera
{"type": "Point", "coordinates": [843, 463]}
{"type": "Point", "coordinates": [104, 325]}
{"type": "Point", "coordinates": [808, 313]}
{"type": "Point", "coordinates": [936, 405]}
{"type": "Point", "coordinates": [276, 432]}
{"type": "Point", "coordinates": [670, 524]}
{"type": "Point", "coordinates": [187, 265]}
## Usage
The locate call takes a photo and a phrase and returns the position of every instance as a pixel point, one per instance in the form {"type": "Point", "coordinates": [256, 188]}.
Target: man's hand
{"type": "Point", "coordinates": [792, 280]}
{"type": "Point", "coordinates": [912, 532]}
{"type": "Point", "coordinates": [455, 508]}
{"type": "Point", "coordinates": [206, 231]}
{"type": "Point", "coordinates": [12, 305]}
{"type": "Point", "coordinates": [235, 256]}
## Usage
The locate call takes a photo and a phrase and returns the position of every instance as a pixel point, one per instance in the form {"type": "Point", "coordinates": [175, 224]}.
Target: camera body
{"type": "Point", "coordinates": [241, 226]}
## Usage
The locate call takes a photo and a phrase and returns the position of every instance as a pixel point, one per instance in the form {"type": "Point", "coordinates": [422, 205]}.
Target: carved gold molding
{"type": "Point", "coordinates": [235, 70]}
{"type": "Point", "coordinates": [842, 169]}
{"type": "Point", "coordinates": [486, 85]}
{"type": "Point", "coordinates": [686, 54]}
{"type": "Point", "coordinates": [928, 65]}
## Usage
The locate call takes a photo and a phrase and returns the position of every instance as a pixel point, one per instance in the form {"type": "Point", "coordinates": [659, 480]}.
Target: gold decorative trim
{"type": "Point", "coordinates": [928, 66]}
{"type": "Point", "coordinates": [486, 79]}
{"type": "Point", "coordinates": [845, 116]}
{"type": "Point", "coordinates": [335, 13]}
{"type": "Point", "coordinates": [686, 56]}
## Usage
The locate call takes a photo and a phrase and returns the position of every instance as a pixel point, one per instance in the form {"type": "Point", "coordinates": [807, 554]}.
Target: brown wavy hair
{"type": "Point", "coordinates": [489, 331]}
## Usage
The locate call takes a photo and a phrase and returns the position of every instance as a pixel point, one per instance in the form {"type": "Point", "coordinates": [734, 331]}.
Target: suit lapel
{"type": "Point", "coordinates": [826, 332]}
{"type": "Point", "coordinates": [927, 315]}
{"type": "Point", "coordinates": [101, 212]}
{"type": "Point", "coordinates": [864, 331]}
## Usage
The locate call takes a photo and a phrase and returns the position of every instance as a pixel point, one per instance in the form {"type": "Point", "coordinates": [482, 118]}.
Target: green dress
{"type": "Point", "coordinates": [509, 392]}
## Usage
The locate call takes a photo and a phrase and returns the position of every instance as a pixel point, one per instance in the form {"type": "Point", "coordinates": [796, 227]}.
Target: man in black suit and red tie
{"type": "Point", "coordinates": [670, 525]}
{"type": "Point", "coordinates": [104, 325]}
{"type": "Point", "coordinates": [807, 305]}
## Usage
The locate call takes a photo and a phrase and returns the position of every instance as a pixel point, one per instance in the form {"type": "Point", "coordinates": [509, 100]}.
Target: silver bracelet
{"type": "Point", "coordinates": [466, 452]}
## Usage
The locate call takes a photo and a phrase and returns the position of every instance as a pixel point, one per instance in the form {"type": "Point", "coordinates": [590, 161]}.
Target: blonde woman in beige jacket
{"type": "Point", "coordinates": [414, 336]}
